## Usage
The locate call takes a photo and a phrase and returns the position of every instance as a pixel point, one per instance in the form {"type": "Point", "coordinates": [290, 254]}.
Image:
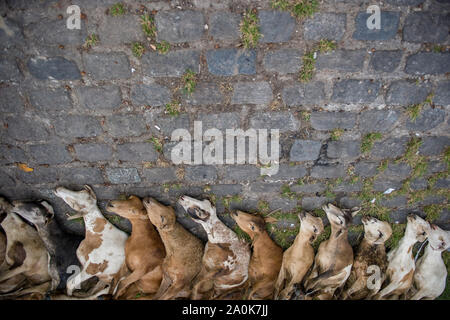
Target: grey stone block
{"type": "Point", "coordinates": [50, 153]}
{"type": "Point", "coordinates": [11, 100]}
{"type": "Point", "coordinates": [276, 26]}
{"type": "Point", "coordinates": [355, 91]}
{"type": "Point", "coordinates": [287, 172]}
{"type": "Point", "coordinates": [224, 26]}
{"type": "Point", "coordinates": [55, 32]}
{"type": "Point", "coordinates": [252, 93]}
{"type": "Point", "coordinates": [240, 173]}
{"type": "Point", "coordinates": [442, 93]}
{"type": "Point", "coordinates": [77, 126]}
{"type": "Point", "coordinates": [50, 99]}
{"type": "Point", "coordinates": [172, 64]}
{"type": "Point", "coordinates": [284, 121]}
{"type": "Point", "coordinates": [159, 175]}
{"type": "Point", "coordinates": [341, 60]}
{"type": "Point", "coordinates": [107, 65]}
{"type": "Point", "coordinates": [312, 93]}
{"type": "Point", "coordinates": [428, 63]}
{"type": "Point", "coordinates": [432, 146]}
{"type": "Point", "coordinates": [378, 120]}
{"type": "Point", "coordinates": [231, 62]}
{"type": "Point", "coordinates": [329, 26]}
{"type": "Point", "coordinates": [405, 93]}
{"type": "Point", "coordinates": [53, 68]}
{"type": "Point", "coordinates": [385, 61]}
{"type": "Point", "coordinates": [205, 94]}
{"type": "Point", "coordinates": [311, 203]}
{"type": "Point", "coordinates": [427, 120]}
{"type": "Point", "coordinates": [93, 152]}
{"type": "Point", "coordinates": [305, 150]}
{"type": "Point", "coordinates": [26, 129]}
{"type": "Point", "coordinates": [332, 120]}
{"type": "Point", "coordinates": [81, 176]}
{"type": "Point", "coordinates": [366, 168]}
{"type": "Point", "coordinates": [344, 149]}
{"type": "Point", "coordinates": [123, 175]}
{"type": "Point", "coordinates": [223, 190]}
{"type": "Point", "coordinates": [283, 61]}
{"type": "Point", "coordinates": [390, 148]}
{"type": "Point", "coordinates": [200, 174]}
{"type": "Point", "coordinates": [120, 30]}
{"type": "Point", "coordinates": [125, 125]}
{"type": "Point", "coordinates": [100, 98]}
{"type": "Point", "coordinates": [426, 27]}
{"type": "Point", "coordinates": [154, 95]}
{"type": "Point", "coordinates": [388, 30]}
{"type": "Point", "coordinates": [137, 152]}
{"type": "Point", "coordinates": [38, 175]}
{"type": "Point", "coordinates": [12, 154]}
{"type": "Point", "coordinates": [328, 171]}
{"type": "Point", "coordinates": [178, 26]}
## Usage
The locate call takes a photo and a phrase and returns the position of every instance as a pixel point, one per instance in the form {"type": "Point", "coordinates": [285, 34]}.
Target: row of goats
{"type": "Point", "coordinates": [162, 260]}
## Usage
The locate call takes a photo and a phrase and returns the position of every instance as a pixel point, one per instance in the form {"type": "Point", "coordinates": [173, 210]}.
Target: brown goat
{"type": "Point", "coordinates": [26, 258]}
{"type": "Point", "coordinates": [184, 252]}
{"type": "Point", "coordinates": [334, 259]}
{"type": "Point", "coordinates": [144, 250]}
{"type": "Point", "coordinates": [371, 252]}
{"type": "Point", "coordinates": [225, 262]}
{"type": "Point", "coordinates": [298, 259]}
{"type": "Point", "coordinates": [266, 257]}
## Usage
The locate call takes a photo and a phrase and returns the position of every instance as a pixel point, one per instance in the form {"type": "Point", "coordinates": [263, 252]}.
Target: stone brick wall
{"type": "Point", "coordinates": [87, 116]}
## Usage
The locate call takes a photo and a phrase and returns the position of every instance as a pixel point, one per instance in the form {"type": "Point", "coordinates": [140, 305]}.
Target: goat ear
{"type": "Point", "coordinates": [270, 220]}
{"type": "Point", "coordinates": [47, 206]}
{"type": "Point", "coordinates": [91, 192]}
{"type": "Point", "coordinates": [355, 211]}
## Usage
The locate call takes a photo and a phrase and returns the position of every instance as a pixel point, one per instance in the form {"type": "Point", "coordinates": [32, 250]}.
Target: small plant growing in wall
{"type": "Point", "coordinates": [336, 134]}
{"type": "Point", "coordinates": [189, 82]}
{"type": "Point", "coordinates": [162, 47]}
{"type": "Point", "coordinates": [91, 41]}
{"type": "Point", "coordinates": [138, 49]}
{"type": "Point", "coordinates": [173, 108]}
{"type": "Point", "coordinates": [148, 26]}
{"type": "Point", "coordinates": [309, 59]}
{"type": "Point", "coordinates": [250, 33]}
{"type": "Point", "coordinates": [157, 144]}
{"type": "Point", "coordinates": [368, 141]}
{"type": "Point", "coordinates": [117, 9]}
{"type": "Point", "coordinates": [298, 8]}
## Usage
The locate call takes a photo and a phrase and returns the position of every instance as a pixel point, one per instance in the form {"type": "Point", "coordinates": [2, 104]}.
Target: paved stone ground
{"type": "Point", "coordinates": [87, 116]}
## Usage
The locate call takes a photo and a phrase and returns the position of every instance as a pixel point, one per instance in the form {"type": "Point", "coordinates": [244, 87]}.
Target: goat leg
{"type": "Point", "coordinates": [133, 277]}
{"type": "Point", "coordinates": [166, 282]}
{"type": "Point", "coordinates": [13, 272]}
{"type": "Point", "coordinates": [280, 284]}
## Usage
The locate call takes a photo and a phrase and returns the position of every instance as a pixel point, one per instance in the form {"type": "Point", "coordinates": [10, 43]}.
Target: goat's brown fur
{"type": "Point", "coordinates": [298, 259]}
{"type": "Point", "coordinates": [265, 262]}
{"type": "Point", "coordinates": [184, 252]}
{"type": "Point", "coordinates": [144, 249]}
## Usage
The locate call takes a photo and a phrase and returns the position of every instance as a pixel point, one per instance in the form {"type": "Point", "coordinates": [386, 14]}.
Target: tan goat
{"type": "Point", "coordinates": [298, 259]}
{"type": "Point", "coordinates": [144, 249]}
{"type": "Point", "coordinates": [334, 259]}
{"type": "Point", "coordinates": [266, 256]}
{"type": "Point", "coordinates": [184, 252]}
